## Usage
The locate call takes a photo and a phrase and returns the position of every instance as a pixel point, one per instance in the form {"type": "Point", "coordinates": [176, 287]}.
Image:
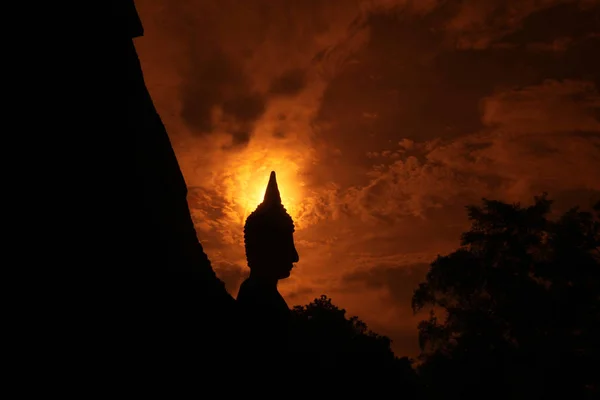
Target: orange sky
{"type": "Point", "coordinates": [382, 118]}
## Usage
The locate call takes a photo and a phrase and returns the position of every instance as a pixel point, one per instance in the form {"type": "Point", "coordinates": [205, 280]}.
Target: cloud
{"type": "Point", "coordinates": [398, 280]}
{"type": "Point", "coordinates": [217, 96]}
{"type": "Point", "coordinates": [238, 58]}
{"type": "Point", "coordinates": [535, 138]}
{"type": "Point", "coordinates": [396, 283]}
{"type": "Point", "coordinates": [553, 107]}
{"type": "Point", "coordinates": [232, 275]}
{"type": "Point", "coordinates": [478, 24]}
{"type": "Point", "coordinates": [289, 83]}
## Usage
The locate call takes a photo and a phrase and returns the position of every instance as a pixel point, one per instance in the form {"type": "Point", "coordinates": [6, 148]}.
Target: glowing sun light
{"type": "Point", "coordinates": [252, 179]}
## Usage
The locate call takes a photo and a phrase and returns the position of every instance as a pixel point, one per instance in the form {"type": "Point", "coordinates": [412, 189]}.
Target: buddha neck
{"type": "Point", "coordinates": [263, 279]}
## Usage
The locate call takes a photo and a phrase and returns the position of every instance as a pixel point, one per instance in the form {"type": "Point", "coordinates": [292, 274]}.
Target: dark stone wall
{"type": "Point", "coordinates": [183, 312]}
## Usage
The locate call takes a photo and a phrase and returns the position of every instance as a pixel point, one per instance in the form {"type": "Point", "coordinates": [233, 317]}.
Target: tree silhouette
{"type": "Point", "coordinates": [325, 338]}
{"type": "Point", "coordinates": [324, 329]}
{"type": "Point", "coordinates": [516, 309]}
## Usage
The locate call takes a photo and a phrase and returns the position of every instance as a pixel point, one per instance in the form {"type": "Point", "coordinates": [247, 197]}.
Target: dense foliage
{"type": "Point", "coordinates": [516, 309]}
{"type": "Point", "coordinates": [326, 339]}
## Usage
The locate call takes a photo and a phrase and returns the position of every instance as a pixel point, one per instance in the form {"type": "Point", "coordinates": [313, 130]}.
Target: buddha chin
{"type": "Point", "coordinates": [285, 273]}
{"type": "Point", "coordinates": [280, 265]}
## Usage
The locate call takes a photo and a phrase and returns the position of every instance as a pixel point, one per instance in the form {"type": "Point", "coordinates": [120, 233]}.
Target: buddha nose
{"type": "Point", "coordinates": [295, 256]}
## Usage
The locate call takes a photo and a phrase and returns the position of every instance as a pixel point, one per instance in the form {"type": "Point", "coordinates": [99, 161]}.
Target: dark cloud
{"type": "Point", "coordinates": [399, 282]}
{"type": "Point", "coordinates": [244, 108]}
{"type": "Point", "coordinates": [231, 274]}
{"type": "Point", "coordinates": [290, 83]}
{"type": "Point", "coordinates": [534, 138]}
{"type": "Point", "coordinates": [412, 81]}
{"type": "Point", "coordinates": [567, 106]}
{"type": "Point", "coordinates": [216, 94]}
{"type": "Point", "coordinates": [238, 57]}
{"type": "Point", "coordinates": [300, 293]}
{"type": "Point", "coordinates": [567, 20]}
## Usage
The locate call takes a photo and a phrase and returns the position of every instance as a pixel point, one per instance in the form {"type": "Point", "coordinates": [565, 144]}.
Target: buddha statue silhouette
{"type": "Point", "coordinates": [271, 254]}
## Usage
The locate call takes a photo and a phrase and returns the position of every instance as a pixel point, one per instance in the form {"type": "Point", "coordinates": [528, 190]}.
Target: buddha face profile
{"type": "Point", "coordinates": [269, 237]}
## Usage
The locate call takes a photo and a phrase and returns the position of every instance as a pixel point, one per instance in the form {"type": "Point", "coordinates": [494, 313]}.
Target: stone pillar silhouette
{"type": "Point", "coordinates": [184, 308]}
{"type": "Point", "coordinates": [271, 254]}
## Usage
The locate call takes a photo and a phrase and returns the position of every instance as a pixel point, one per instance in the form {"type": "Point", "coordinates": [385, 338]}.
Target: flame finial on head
{"type": "Point", "coordinates": [271, 210]}
{"type": "Point", "coordinates": [272, 195]}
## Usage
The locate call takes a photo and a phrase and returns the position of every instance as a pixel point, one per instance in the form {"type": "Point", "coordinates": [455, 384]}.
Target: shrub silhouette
{"type": "Point", "coordinates": [325, 338]}
{"type": "Point", "coordinates": [324, 329]}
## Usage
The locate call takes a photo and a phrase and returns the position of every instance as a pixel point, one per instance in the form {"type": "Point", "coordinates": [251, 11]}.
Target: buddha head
{"type": "Point", "coordinates": [269, 237]}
